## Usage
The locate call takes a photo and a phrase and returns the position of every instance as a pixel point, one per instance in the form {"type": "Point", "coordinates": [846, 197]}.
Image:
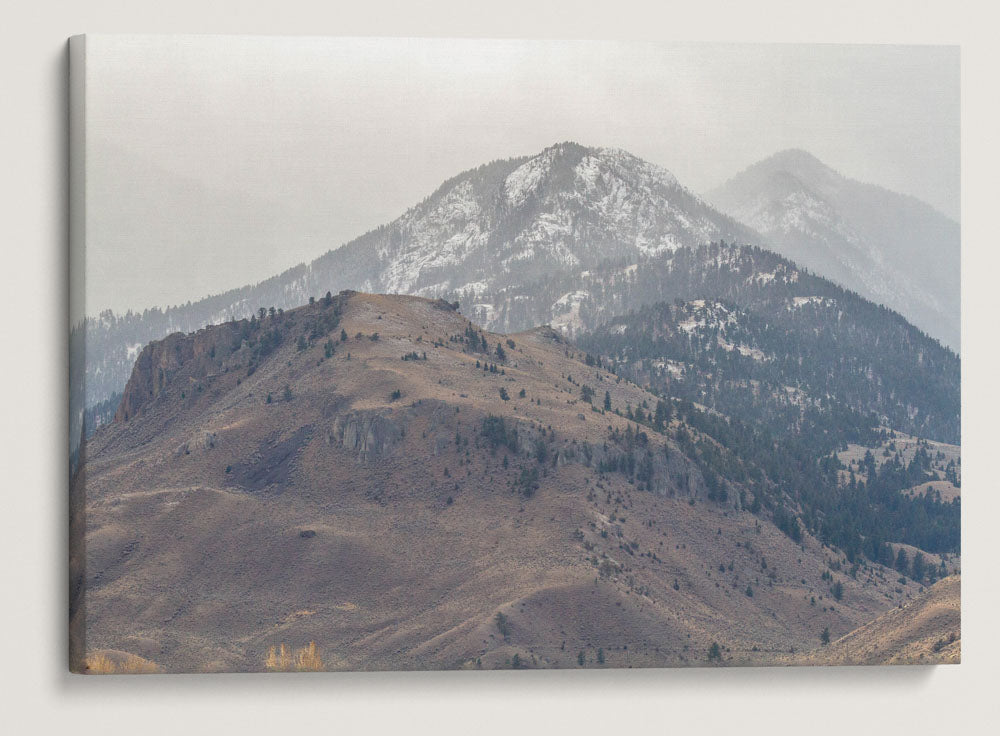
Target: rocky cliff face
{"type": "Point", "coordinates": [371, 434]}
{"type": "Point", "coordinates": [375, 435]}
{"type": "Point", "coordinates": [161, 362]}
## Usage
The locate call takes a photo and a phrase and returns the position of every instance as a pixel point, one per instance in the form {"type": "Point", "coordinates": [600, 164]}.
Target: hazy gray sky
{"type": "Point", "coordinates": [219, 161]}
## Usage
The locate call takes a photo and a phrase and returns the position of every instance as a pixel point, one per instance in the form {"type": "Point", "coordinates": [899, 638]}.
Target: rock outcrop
{"type": "Point", "coordinates": [160, 362]}
{"type": "Point", "coordinates": [371, 434]}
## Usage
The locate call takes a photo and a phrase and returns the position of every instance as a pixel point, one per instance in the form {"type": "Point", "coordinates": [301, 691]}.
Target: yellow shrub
{"type": "Point", "coordinates": [306, 659]}
{"type": "Point", "coordinates": [131, 664]}
{"type": "Point", "coordinates": [278, 660]}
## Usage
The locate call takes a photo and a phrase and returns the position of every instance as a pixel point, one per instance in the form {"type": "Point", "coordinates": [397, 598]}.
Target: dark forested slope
{"type": "Point", "coordinates": [782, 369]}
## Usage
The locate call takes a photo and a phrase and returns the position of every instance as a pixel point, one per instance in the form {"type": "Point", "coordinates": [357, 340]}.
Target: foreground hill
{"type": "Point", "coordinates": [925, 630]}
{"type": "Point", "coordinates": [888, 247]}
{"type": "Point", "coordinates": [377, 475]}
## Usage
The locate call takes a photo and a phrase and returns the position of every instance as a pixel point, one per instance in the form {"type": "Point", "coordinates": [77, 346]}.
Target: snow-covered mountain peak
{"type": "Point", "coordinates": [592, 169]}
{"type": "Point", "coordinates": [566, 207]}
{"type": "Point", "coordinates": [508, 224]}
{"type": "Point", "coordinates": [888, 247]}
{"type": "Point", "coordinates": [526, 179]}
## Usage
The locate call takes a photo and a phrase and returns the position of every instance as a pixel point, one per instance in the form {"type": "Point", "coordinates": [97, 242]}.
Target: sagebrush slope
{"type": "Point", "coordinates": [352, 474]}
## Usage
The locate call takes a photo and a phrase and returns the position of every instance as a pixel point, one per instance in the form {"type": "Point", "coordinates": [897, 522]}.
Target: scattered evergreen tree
{"type": "Point", "coordinates": [503, 625]}
{"type": "Point", "coordinates": [662, 416]}
{"type": "Point", "coordinates": [497, 433]}
{"type": "Point", "coordinates": [715, 652]}
{"type": "Point", "coordinates": [527, 482]}
{"type": "Point", "coordinates": [902, 561]}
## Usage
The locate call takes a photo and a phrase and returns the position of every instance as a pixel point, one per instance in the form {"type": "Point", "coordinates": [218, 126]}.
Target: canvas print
{"type": "Point", "coordinates": [421, 354]}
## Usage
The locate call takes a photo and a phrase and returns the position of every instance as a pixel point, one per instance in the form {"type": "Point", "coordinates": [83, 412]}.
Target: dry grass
{"type": "Point", "coordinates": [101, 663]}
{"type": "Point", "coordinates": [387, 523]}
{"type": "Point", "coordinates": [306, 659]}
{"type": "Point", "coordinates": [278, 660]}
{"type": "Point", "coordinates": [925, 631]}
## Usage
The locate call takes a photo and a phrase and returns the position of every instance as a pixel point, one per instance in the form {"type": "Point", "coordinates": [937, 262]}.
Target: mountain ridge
{"type": "Point", "coordinates": [378, 475]}
{"type": "Point", "coordinates": [889, 247]}
{"type": "Point", "coordinates": [568, 206]}
{"type": "Point", "coordinates": [479, 238]}
{"type": "Point", "coordinates": [483, 230]}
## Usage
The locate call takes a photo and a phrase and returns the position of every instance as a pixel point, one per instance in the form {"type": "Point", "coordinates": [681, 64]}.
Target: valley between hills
{"type": "Point", "coordinates": [381, 477]}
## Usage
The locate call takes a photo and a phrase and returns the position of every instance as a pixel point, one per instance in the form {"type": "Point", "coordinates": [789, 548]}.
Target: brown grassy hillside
{"type": "Point", "coordinates": [277, 484]}
{"type": "Point", "coordinates": [927, 630]}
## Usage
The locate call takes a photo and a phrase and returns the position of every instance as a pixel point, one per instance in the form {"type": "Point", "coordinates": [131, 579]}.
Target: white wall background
{"type": "Point", "coordinates": [38, 695]}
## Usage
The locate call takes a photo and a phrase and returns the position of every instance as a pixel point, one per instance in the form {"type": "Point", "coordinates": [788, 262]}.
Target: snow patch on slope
{"type": "Point", "coordinates": [523, 181]}
{"type": "Point", "coordinates": [566, 311]}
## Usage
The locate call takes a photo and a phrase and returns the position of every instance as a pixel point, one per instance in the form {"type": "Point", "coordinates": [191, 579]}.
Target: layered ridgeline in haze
{"type": "Point", "coordinates": [888, 247]}
{"type": "Point", "coordinates": [735, 459]}
{"type": "Point", "coordinates": [499, 225]}
{"type": "Point", "coordinates": [563, 237]}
